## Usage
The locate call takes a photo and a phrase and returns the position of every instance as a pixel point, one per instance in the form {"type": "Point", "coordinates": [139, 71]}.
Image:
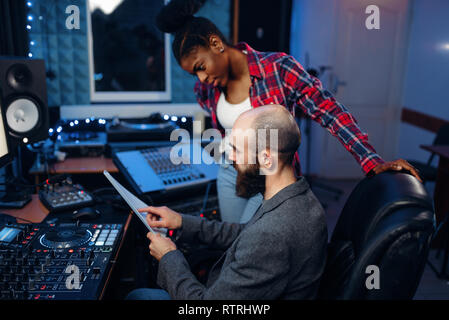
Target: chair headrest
{"type": "Point", "coordinates": [375, 198]}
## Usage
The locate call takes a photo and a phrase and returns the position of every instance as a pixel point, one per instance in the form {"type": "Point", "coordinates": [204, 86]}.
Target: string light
{"type": "Point", "coordinates": [29, 4]}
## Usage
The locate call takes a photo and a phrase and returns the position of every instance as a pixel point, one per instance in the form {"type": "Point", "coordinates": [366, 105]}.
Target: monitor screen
{"type": "Point", "coordinates": [4, 151]}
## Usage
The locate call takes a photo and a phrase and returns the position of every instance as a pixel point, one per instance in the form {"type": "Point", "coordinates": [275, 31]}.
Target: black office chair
{"type": "Point", "coordinates": [388, 222]}
{"type": "Point", "coordinates": [426, 170]}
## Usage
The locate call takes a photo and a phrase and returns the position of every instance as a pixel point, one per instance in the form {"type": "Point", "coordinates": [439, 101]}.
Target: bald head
{"type": "Point", "coordinates": [273, 117]}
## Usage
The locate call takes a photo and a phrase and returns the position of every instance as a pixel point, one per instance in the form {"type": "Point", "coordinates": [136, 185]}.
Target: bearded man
{"type": "Point", "coordinates": [279, 254]}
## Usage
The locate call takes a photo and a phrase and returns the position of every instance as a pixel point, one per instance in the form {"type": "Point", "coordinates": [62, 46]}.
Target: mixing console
{"type": "Point", "coordinates": [56, 262]}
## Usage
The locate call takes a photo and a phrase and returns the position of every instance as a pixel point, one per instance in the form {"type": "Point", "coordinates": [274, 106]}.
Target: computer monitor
{"type": "Point", "coordinates": [5, 153]}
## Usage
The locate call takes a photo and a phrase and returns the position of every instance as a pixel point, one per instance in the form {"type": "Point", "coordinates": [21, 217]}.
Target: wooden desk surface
{"type": "Point", "coordinates": [34, 211]}
{"type": "Point", "coordinates": [442, 151]}
{"type": "Point", "coordinates": [79, 166]}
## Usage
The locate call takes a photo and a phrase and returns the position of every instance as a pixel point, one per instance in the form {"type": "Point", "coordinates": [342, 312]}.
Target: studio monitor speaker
{"type": "Point", "coordinates": [23, 99]}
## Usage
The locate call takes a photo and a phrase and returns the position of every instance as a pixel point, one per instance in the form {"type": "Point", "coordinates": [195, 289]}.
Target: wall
{"type": "Point", "coordinates": [317, 47]}
{"type": "Point", "coordinates": [427, 74]}
{"type": "Point", "coordinates": [65, 51]}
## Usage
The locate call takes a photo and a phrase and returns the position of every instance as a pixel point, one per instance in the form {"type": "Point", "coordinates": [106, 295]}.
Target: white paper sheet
{"type": "Point", "coordinates": [134, 203]}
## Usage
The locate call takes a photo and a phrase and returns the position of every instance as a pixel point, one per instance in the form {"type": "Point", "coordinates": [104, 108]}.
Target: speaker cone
{"type": "Point", "coordinates": [22, 115]}
{"type": "Point", "coordinates": [19, 77]}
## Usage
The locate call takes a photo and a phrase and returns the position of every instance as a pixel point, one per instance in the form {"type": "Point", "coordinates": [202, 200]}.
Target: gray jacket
{"type": "Point", "coordinates": [279, 254]}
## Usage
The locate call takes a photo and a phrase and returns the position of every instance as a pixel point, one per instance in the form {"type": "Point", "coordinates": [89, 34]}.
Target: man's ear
{"type": "Point", "coordinates": [268, 162]}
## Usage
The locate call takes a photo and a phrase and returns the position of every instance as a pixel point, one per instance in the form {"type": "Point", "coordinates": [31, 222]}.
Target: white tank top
{"type": "Point", "coordinates": [227, 113]}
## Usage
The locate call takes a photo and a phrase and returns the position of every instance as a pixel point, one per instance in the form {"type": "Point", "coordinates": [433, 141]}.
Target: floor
{"type": "Point", "coordinates": [430, 287]}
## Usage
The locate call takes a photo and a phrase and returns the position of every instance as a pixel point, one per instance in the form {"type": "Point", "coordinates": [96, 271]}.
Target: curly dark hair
{"type": "Point", "coordinates": [190, 32]}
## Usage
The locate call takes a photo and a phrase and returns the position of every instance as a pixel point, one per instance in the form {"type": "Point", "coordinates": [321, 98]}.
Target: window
{"type": "Point", "coordinates": [129, 57]}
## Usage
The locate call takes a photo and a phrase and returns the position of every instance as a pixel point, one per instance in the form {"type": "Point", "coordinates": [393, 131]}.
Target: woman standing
{"type": "Point", "coordinates": [233, 79]}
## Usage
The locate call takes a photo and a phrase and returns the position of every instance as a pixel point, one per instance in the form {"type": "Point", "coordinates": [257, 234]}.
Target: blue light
{"type": "Point", "coordinates": [30, 18]}
{"type": "Point", "coordinates": [30, 55]}
{"type": "Point", "coordinates": [183, 119]}
{"type": "Point", "coordinates": [28, 27]}
{"type": "Point", "coordinates": [76, 121]}
{"type": "Point", "coordinates": [59, 129]}
{"type": "Point", "coordinates": [32, 43]}
{"type": "Point", "coordinates": [87, 120]}
{"type": "Point", "coordinates": [29, 4]}
{"type": "Point", "coordinates": [50, 130]}
{"type": "Point", "coordinates": [166, 117]}
{"type": "Point", "coordinates": [174, 118]}
{"type": "Point", "coordinates": [72, 124]}
{"type": "Point", "coordinates": [98, 76]}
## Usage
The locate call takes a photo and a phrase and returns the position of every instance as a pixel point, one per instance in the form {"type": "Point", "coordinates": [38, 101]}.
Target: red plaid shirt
{"type": "Point", "coordinates": [278, 78]}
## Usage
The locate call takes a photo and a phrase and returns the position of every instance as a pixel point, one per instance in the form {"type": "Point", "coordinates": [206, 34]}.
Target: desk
{"type": "Point", "coordinates": [441, 194]}
{"type": "Point", "coordinates": [85, 165]}
{"type": "Point", "coordinates": [34, 211]}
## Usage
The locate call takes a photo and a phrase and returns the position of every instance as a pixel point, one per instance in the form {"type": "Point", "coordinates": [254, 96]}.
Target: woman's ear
{"type": "Point", "coordinates": [216, 44]}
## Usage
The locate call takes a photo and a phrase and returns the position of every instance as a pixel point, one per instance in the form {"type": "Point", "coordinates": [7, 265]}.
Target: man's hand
{"type": "Point", "coordinates": [397, 165]}
{"type": "Point", "coordinates": [159, 245]}
{"type": "Point", "coordinates": [168, 218]}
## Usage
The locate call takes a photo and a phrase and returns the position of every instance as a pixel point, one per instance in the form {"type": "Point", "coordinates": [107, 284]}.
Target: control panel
{"type": "Point", "coordinates": [56, 262]}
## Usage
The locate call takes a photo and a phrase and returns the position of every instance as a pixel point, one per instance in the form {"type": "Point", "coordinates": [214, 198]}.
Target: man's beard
{"type": "Point", "coordinates": [249, 182]}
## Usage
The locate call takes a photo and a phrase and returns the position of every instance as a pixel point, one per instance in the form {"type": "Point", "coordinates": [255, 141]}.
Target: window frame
{"type": "Point", "coordinates": [128, 96]}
